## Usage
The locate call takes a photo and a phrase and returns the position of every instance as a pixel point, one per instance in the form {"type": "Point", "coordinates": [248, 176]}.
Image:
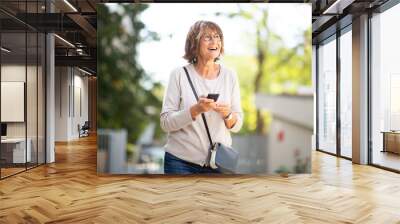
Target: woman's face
{"type": "Point", "coordinates": [210, 45]}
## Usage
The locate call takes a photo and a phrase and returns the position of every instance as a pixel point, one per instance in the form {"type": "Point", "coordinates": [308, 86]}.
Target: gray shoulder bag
{"type": "Point", "coordinates": [220, 156]}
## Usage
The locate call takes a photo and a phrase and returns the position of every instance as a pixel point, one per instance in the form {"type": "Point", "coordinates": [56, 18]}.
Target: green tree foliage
{"type": "Point", "coordinates": [263, 39]}
{"type": "Point", "coordinates": [288, 68]}
{"type": "Point", "coordinates": [246, 68]}
{"type": "Point", "coordinates": [127, 96]}
{"type": "Point", "coordinates": [274, 69]}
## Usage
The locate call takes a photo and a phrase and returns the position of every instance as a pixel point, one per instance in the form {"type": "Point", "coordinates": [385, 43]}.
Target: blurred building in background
{"type": "Point", "coordinates": [111, 152]}
{"type": "Point", "coordinates": [291, 130]}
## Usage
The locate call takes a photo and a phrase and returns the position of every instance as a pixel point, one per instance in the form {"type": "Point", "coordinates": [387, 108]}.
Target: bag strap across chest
{"type": "Point", "coordinates": [202, 114]}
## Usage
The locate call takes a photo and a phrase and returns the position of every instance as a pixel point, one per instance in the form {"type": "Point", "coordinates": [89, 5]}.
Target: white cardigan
{"type": "Point", "coordinates": [187, 139]}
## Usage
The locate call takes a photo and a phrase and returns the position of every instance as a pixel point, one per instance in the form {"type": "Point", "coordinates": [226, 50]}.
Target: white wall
{"type": "Point", "coordinates": [71, 94]}
{"type": "Point", "coordinates": [80, 100]}
{"type": "Point", "coordinates": [62, 81]}
{"type": "Point", "coordinates": [12, 73]}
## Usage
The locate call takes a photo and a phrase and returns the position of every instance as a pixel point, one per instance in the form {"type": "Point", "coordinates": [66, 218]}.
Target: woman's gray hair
{"type": "Point", "coordinates": [193, 39]}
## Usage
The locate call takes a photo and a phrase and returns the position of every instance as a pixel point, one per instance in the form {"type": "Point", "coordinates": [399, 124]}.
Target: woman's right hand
{"type": "Point", "coordinates": [203, 105]}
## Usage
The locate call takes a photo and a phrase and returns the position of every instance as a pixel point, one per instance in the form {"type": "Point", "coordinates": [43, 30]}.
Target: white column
{"type": "Point", "coordinates": [360, 90]}
{"type": "Point", "coordinates": [50, 94]}
{"type": "Point", "coordinates": [314, 86]}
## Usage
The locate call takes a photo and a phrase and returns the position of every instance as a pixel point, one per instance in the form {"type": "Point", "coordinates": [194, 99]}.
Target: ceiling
{"type": "Point", "coordinates": [331, 15]}
{"type": "Point", "coordinates": [75, 43]}
{"type": "Point", "coordinates": [75, 22]}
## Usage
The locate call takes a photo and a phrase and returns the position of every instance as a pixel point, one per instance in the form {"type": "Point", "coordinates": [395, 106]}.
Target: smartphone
{"type": "Point", "coordinates": [213, 96]}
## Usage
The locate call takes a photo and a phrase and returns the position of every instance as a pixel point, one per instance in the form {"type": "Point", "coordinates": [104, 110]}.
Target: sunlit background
{"type": "Point", "coordinates": [140, 44]}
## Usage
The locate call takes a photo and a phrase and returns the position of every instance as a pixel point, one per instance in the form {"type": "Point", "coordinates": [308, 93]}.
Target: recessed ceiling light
{"type": "Point", "coordinates": [5, 50]}
{"type": "Point", "coordinates": [71, 6]}
{"type": "Point", "coordinates": [64, 40]}
{"type": "Point", "coordinates": [338, 6]}
{"type": "Point", "coordinates": [86, 72]}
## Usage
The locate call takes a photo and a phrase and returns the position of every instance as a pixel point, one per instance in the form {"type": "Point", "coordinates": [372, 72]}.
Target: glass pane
{"type": "Point", "coordinates": [31, 97]}
{"type": "Point", "coordinates": [41, 99]}
{"type": "Point", "coordinates": [386, 89]}
{"type": "Point", "coordinates": [22, 66]}
{"type": "Point", "coordinates": [31, 85]}
{"type": "Point", "coordinates": [13, 87]}
{"type": "Point", "coordinates": [327, 97]}
{"type": "Point", "coordinates": [346, 94]}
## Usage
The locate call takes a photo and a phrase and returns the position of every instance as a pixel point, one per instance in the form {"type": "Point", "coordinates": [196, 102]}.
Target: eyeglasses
{"type": "Point", "coordinates": [208, 38]}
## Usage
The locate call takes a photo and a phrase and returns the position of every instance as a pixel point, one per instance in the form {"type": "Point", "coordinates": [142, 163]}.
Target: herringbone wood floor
{"type": "Point", "coordinates": [69, 191]}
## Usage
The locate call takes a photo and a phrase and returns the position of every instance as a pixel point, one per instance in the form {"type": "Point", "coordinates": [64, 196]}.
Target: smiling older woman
{"type": "Point", "coordinates": [187, 148]}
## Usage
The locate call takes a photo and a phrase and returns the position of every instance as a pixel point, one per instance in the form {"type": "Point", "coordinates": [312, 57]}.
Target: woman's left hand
{"type": "Point", "coordinates": [223, 109]}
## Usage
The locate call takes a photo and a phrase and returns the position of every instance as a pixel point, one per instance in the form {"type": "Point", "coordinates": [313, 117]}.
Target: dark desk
{"type": "Point", "coordinates": [391, 141]}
